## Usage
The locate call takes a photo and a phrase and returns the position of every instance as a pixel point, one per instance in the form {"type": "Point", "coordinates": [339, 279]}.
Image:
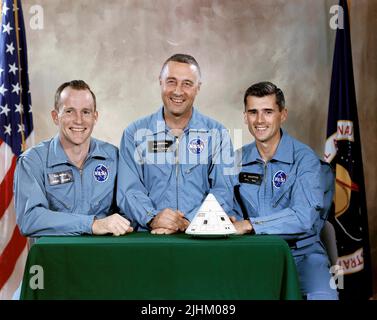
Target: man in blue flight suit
{"type": "Point", "coordinates": [281, 189]}
{"type": "Point", "coordinates": [169, 161]}
{"type": "Point", "coordinates": [66, 185]}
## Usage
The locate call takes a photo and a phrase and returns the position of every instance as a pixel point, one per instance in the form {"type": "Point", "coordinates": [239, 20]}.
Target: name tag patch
{"type": "Point", "coordinates": [279, 178]}
{"type": "Point", "coordinates": [101, 173]}
{"type": "Point", "coordinates": [60, 177]}
{"type": "Point", "coordinates": [251, 178]}
{"type": "Point", "coordinates": [160, 146]}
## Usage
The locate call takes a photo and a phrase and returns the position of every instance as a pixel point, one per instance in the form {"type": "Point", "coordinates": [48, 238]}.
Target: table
{"type": "Point", "coordinates": [142, 266]}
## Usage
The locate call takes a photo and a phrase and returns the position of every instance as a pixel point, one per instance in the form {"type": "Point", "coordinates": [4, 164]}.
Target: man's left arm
{"type": "Point", "coordinates": [305, 204]}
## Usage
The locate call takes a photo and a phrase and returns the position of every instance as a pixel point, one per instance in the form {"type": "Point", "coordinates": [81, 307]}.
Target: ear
{"type": "Point", "coordinates": [245, 118]}
{"type": "Point", "coordinates": [199, 85]}
{"type": "Point", "coordinates": [284, 115]}
{"type": "Point", "coordinates": [95, 116]}
{"type": "Point", "coordinates": [54, 116]}
{"type": "Point", "coordinates": [160, 80]}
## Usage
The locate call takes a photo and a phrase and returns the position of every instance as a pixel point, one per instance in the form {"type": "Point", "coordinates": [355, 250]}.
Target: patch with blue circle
{"type": "Point", "coordinates": [279, 179]}
{"type": "Point", "coordinates": [196, 146]}
{"type": "Point", "coordinates": [101, 173]}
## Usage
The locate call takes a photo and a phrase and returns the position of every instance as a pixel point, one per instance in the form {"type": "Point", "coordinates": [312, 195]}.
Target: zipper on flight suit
{"type": "Point", "coordinates": [264, 176]}
{"type": "Point", "coordinates": [264, 181]}
{"type": "Point", "coordinates": [82, 186]}
{"type": "Point", "coordinates": [177, 167]}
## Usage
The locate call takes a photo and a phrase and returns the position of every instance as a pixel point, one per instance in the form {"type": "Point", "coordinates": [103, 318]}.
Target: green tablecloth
{"type": "Point", "coordinates": [145, 266]}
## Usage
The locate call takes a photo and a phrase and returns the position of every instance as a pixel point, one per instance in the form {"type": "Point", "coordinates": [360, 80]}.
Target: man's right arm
{"type": "Point", "coordinates": [132, 195]}
{"type": "Point", "coordinates": [34, 217]}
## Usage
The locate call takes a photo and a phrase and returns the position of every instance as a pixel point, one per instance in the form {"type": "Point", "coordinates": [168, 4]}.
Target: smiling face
{"type": "Point", "coordinates": [179, 86]}
{"type": "Point", "coordinates": [75, 117]}
{"type": "Point", "coordinates": [263, 118]}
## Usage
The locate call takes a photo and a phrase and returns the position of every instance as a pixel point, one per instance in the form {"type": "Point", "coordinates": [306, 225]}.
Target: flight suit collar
{"type": "Point", "coordinates": [158, 124]}
{"type": "Point", "coordinates": [56, 154]}
{"type": "Point", "coordinates": [284, 151]}
{"type": "Point", "coordinates": [95, 150]}
{"type": "Point", "coordinates": [250, 154]}
{"type": "Point", "coordinates": [196, 122]}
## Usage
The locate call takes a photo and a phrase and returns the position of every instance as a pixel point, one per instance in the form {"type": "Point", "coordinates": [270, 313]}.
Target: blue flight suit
{"type": "Point", "coordinates": [157, 170]}
{"type": "Point", "coordinates": [54, 197]}
{"type": "Point", "coordinates": [289, 196]}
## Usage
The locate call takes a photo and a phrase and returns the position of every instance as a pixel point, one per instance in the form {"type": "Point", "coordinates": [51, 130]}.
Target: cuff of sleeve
{"type": "Point", "coordinates": [148, 217]}
{"type": "Point", "coordinates": [88, 224]}
{"type": "Point", "coordinates": [255, 227]}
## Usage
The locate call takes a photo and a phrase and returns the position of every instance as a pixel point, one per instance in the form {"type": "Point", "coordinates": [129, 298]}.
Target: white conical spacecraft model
{"type": "Point", "coordinates": [210, 220]}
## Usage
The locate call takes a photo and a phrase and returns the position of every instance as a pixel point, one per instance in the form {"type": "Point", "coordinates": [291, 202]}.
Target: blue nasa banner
{"type": "Point", "coordinates": [343, 151]}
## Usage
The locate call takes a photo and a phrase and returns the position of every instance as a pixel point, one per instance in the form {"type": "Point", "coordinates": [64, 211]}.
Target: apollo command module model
{"type": "Point", "coordinates": [210, 220]}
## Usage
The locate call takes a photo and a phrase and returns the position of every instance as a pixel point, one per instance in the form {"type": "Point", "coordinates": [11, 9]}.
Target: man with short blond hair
{"type": "Point", "coordinates": [66, 185]}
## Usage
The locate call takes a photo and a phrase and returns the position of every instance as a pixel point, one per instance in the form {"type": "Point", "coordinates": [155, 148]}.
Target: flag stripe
{"type": "Point", "coordinates": [10, 255]}
{"type": "Point", "coordinates": [6, 188]}
{"type": "Point", "coordinates": [7, 224]}
{"type": "Point", "coordinates": [6, 156]}
{"type": "Point", "coordinates": [15, 279]}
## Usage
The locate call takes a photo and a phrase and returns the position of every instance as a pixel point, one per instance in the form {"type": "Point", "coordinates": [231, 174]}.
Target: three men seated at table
{"type": "Point", "coordinates": [168, 162]}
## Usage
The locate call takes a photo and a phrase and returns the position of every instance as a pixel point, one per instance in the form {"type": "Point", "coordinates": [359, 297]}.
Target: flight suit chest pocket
{"type": "Point", "coordinates": [250, 181]}
{"type": "Point", "coordinates": [189, 169]}
{"type": "Point", "coordinates": [154, 168]}
{"type": "Point", "coordinates": [195, 177]}
{"type": "Point", "coordinates": [249, 194]}
{"type": "Point", "coordinates": [102, 203]}
{"type": "Point", "coordinates": [195, 172]}
{"type": "Point", "coordinates": [282, 195]}
{"type": "Point", "coordinates": [60, 189]}
{"type": "Point", "coordinates": [61, 197]}
{"type": "Point", "coordinates": [158, 158]}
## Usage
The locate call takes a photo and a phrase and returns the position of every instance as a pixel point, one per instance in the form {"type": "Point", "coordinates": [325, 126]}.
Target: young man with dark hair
{"type": "Point", "coordinates": [284, 189]}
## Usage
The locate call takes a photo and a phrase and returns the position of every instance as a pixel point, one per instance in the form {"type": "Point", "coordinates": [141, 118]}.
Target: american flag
{"type": "Point", "coordinates": [16, 134]}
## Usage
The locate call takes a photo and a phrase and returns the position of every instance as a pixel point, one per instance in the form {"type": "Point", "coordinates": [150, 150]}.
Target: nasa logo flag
{"type": "Point", "coordinates": [343, 152]}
